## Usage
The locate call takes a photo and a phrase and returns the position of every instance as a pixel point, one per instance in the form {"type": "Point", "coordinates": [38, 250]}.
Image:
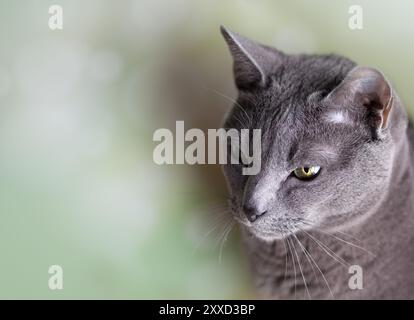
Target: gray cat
{"type": "Point", "coordinates": [331, 213]}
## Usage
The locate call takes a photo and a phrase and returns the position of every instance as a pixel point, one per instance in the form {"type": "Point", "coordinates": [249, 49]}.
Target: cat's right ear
{"type": "Point", "coordinates": [365, 92]}
{"type": "Point", "coordinates": [252, 62]}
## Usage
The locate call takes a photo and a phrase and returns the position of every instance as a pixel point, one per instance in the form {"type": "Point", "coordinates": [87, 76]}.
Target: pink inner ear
{"type": "Point", "coordinates": [386, 113]}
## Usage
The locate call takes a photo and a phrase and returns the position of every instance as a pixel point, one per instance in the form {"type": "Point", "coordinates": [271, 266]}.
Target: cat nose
{"type": "Point", "coordinates": [252, 212]}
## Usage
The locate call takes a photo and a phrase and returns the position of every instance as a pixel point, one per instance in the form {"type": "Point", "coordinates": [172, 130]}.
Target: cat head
{"type": "Point", "coordinates": [329, 130]}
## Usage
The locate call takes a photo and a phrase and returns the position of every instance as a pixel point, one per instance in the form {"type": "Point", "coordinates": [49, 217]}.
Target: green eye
{"type": "Point", "coordinates": [306, 173]}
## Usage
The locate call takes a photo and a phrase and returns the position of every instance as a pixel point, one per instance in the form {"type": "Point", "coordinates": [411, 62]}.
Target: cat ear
{"type": "Point", "coordinates": [365, 89]}
{"type": "Point", "coordinates": [252, 62]}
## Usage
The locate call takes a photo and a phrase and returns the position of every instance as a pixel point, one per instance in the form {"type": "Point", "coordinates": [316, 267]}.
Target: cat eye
{"type": "Point", "coordinates": [306, 173]}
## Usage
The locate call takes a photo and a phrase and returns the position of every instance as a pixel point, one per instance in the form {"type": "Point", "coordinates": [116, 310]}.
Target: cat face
{"type": "Point", "coordinates": [326, 149]}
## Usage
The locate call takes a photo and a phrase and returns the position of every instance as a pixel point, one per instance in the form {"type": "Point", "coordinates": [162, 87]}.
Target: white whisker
{"type": "Point", "coordinates": [300, 268]}
{"type": "Point", "coordinates": [320, 271]}
{"type": "Point", "coordinates": [224, 239]}
{"type": "Point", "coordinates": [233, 101]}
{"type": "Point", "coordinates": [346, 242]}
{"type": "Point", "coordinates": [326, 249]}
{"type": "Point", "coordinates": [293, 261]}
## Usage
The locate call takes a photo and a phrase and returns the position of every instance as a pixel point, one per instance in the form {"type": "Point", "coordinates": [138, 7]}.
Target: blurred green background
{"type": "Point", "coordinates": [78, 108]}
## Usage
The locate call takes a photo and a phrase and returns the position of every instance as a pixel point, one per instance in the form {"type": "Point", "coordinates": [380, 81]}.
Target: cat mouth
{"type": "Point", "coordinates": [276, 231]}
{"type": "Point", "coordinates": [271, 236]}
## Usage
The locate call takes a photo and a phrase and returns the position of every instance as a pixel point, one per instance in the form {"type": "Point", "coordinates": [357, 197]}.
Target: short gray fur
{"type": "Point", "coordinates": [323, 110]}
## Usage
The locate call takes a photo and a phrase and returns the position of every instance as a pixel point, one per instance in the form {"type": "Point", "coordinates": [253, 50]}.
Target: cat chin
{"type": "Point", "coordinates": [270, 236]}
{"type": "Point", "coordinates": [271, 239]}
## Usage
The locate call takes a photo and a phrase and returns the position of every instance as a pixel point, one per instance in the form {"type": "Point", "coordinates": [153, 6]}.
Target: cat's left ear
{"type": "Point", "coordinates": [252, 62]}
{"type": "Point", "coordinates": [366, 92]}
